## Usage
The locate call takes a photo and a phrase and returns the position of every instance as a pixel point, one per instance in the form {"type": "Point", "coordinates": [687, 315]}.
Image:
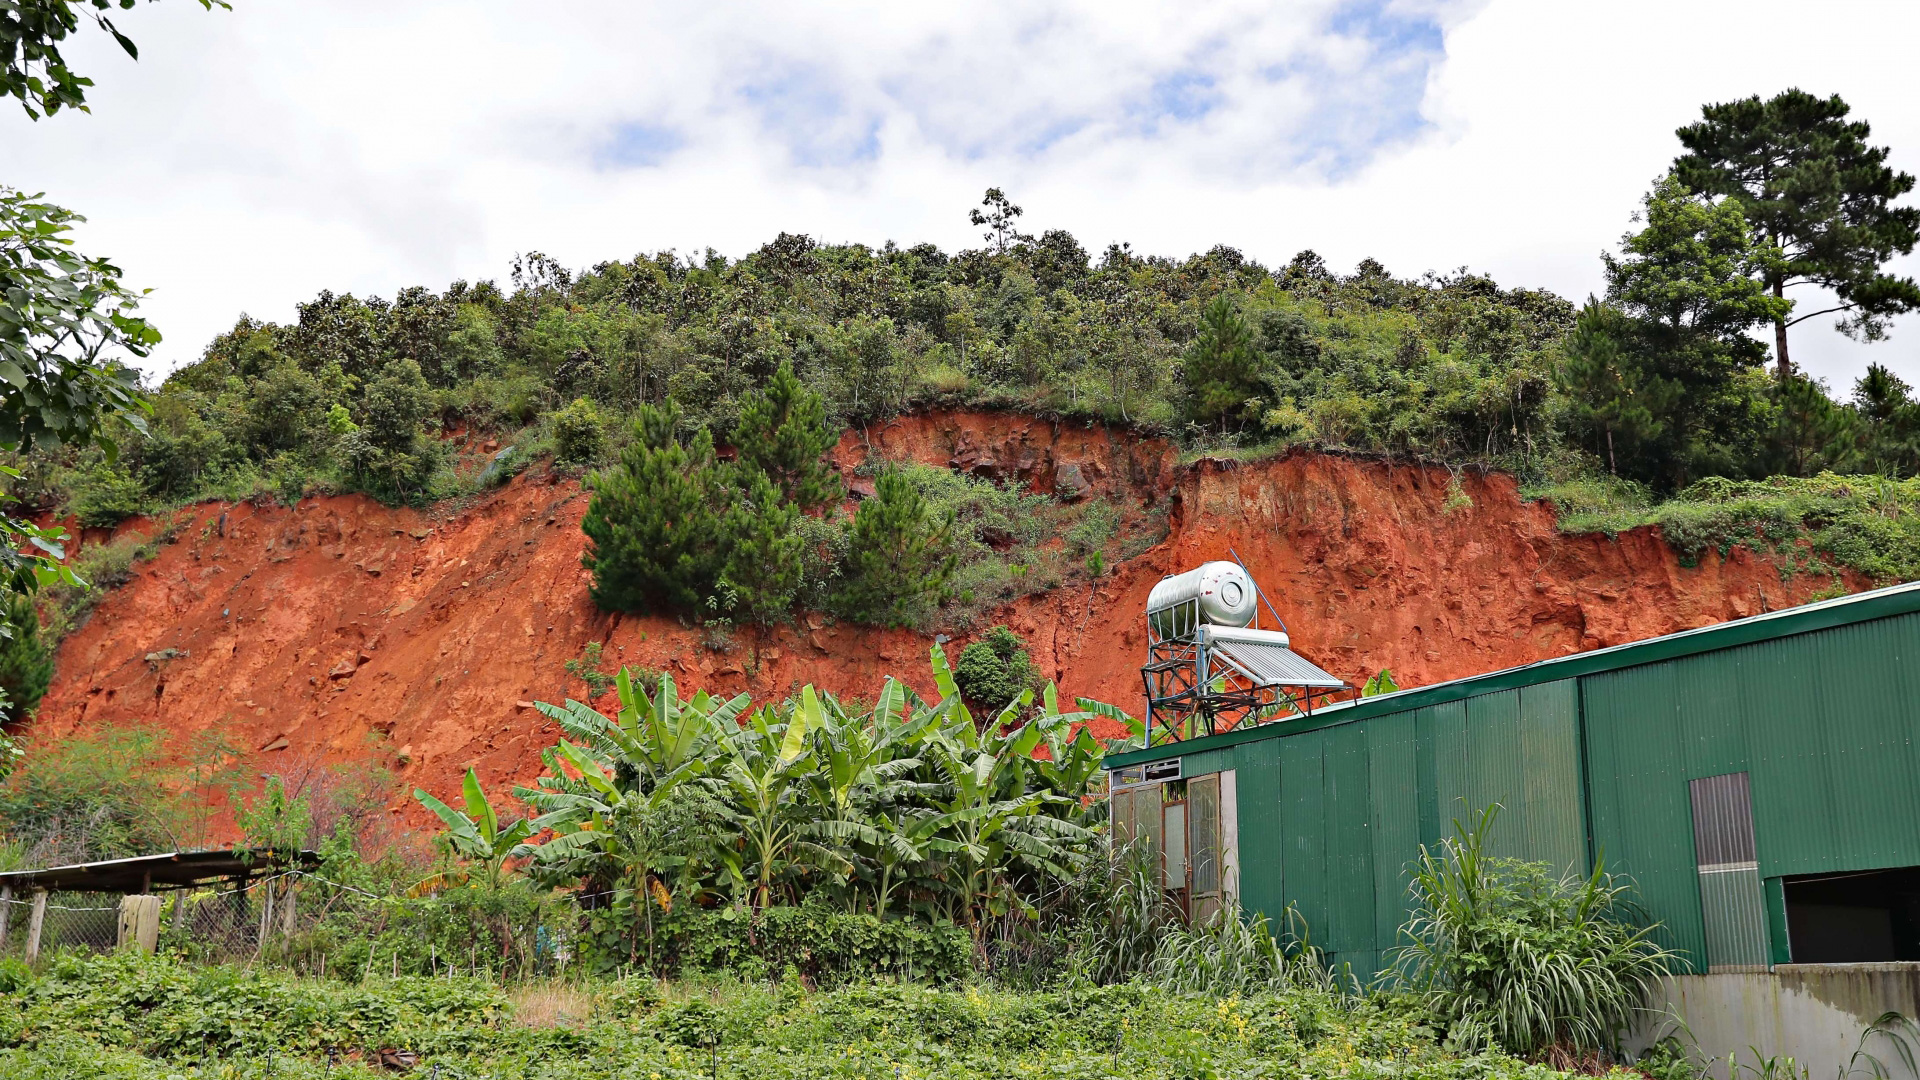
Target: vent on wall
{"type": "Point", "coordinates": [1732, 901]}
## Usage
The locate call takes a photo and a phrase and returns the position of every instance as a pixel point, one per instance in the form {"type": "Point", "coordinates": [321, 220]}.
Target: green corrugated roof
{"type": "Point", "coordinates": [1843, 611]}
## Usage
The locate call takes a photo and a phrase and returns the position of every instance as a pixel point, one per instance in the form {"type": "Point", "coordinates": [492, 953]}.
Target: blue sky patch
{"type": "Point", "coordinates": [636, 144]}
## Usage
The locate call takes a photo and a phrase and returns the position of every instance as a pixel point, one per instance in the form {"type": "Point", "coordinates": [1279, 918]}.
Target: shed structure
{"type": "Point", "coordinates": [1759, 780]}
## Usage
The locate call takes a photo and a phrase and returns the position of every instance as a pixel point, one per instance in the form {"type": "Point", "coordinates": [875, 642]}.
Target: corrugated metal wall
{"type": "Point", "coordinates": [1330, 820]}
{"type": "Point", "coordinates": [1824, 724]}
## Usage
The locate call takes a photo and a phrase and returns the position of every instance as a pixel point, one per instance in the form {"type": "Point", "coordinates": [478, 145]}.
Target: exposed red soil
{"type": "Point", "coordinates": [347, 629]}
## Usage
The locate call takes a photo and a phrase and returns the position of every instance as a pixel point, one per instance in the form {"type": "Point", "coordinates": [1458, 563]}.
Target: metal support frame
{"type": "Point", "coordinates": [1190, 695]}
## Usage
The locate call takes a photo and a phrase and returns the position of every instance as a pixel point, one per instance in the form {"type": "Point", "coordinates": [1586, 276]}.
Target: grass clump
{"type": "Point", "coordinates": [1505, 954]}
{"type": "Point", "coordinates": [1820, 525]}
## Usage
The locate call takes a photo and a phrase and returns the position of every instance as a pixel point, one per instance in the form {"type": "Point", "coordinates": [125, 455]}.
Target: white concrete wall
{"type": "Point", "coordinates": [1814, 1013]}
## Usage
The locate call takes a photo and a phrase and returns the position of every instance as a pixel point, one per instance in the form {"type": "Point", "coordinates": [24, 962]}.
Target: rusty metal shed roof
{"type": "Point", "coordinates": [176, 869]}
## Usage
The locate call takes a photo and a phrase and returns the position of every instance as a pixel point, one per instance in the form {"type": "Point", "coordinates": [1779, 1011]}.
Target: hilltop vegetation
{"type": "Point", "coordinates": [665, 370]}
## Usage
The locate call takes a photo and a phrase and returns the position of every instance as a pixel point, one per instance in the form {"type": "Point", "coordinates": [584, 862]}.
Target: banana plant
{"type": "Point", "coordinates": [476, 833]}
{"type": "Point", "coordinates": [764, 780]}
{"type": "Point", "coordinates": [985, 830]}
{"type": "Point", "coordinates": [656, 743]}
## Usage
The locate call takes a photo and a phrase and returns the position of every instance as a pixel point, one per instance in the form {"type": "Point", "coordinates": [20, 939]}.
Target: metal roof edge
{"type": "Point", "coordinates": [1787, 622]}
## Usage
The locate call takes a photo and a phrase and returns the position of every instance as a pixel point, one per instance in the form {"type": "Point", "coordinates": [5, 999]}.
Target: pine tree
{"type": "Point", "coordinates": [1221, 366]}
{"type": "Point", "coordinates": [763, 548]}
{"type": "Point", "coordinates": [655, 536]}
{"type": "Point", "coordinates": [896, 564]}
{"type": "Point", "coordinates": [783, 432]}
{"type": "Point", "coordinates": [26, 664]}
{"type": "Point", "coordinates": [1810, 185]}
{"type": "Point", "coordinates": [1607, 390]}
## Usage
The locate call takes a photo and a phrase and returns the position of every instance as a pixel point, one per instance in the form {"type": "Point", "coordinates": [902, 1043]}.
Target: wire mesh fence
{"type": "Point", "coordinates": [68, 920]}
{"type": "Point", "coordinates": [306, 922]}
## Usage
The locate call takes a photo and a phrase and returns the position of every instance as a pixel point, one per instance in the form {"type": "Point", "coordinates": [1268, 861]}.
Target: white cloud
{"type": "Point", "coordinates": [252, 158]}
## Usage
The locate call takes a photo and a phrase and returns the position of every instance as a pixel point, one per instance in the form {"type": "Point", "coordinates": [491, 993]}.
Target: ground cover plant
{"type": "Point", "coordinates": [127, 1016]}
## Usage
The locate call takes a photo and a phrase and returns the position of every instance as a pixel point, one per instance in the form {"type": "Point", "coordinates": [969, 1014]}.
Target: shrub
{"type": "Point", "coordinates": [105, 495]}
{"type": "Point", "coordinates": [98, 795]}
{"type": "Point", "coordinates": [994, 669]}
{"type": "Point", "coordinates": [654, 530]}
{"type": "Point", "coordinates": [579, 433]}
{"type": "Point", "coordinates": [1509, 956]}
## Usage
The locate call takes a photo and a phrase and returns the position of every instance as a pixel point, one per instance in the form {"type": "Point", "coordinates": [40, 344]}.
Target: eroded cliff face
{"type": "Point", "coordinates": [342, 629]}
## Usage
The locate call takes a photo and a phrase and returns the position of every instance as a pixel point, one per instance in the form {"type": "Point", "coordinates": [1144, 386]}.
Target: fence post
{"type": "Point", "coordinates": [287, 910]}
{"type": "Point", "coordinates": [180, 906]}
{"type": "Point", "coordinates": [35, 923]}
{"type": "Point", "coordinates": [6, 914]}
{"type": "Point", "coordinates": [139, 922]}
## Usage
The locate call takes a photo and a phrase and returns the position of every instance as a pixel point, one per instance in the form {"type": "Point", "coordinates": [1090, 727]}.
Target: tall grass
{"type": "Point", "coordinates": [1510, 956]}
{"type": "Point", "coordinates": [1230, 955]}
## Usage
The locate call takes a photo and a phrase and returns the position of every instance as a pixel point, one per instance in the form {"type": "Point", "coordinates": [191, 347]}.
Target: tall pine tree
{"type": "Point", "coordinates": [1221, 367]}
{"type": "Point", "coordinates": [783, 432]}
{"type": "Point", "coordinates": [1810, 184]}
{"type": "Point", "coordinates": [763, 549]}
{"type": "Point", "coordinates": [897, 563]}
{"type": "Point", "coordinates": [655, 536]}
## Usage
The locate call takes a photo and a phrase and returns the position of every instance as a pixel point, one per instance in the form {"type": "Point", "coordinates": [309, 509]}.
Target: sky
{"type": "Point", "coordinates": [253, 157]}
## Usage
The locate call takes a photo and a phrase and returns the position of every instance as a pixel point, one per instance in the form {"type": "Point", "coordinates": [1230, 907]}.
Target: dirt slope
{"type": "Point", "coordinates": [344, 628]}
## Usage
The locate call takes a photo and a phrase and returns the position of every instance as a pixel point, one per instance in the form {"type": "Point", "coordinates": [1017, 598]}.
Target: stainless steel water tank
{"type": "Point", "coordinates": [1224, 592]}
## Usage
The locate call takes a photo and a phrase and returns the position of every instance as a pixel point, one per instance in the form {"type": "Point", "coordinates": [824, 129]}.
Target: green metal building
{"type": "Point", "coordinates": [1758, 780]}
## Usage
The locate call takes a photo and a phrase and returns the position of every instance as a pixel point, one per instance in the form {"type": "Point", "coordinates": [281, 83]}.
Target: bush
{"type": "Point", "coordinates": [98, 795]}
{"type": "Point", "coordinates": [579, 433]}
{"type": "Point", "coordinates": [897, 563]}
{"type": "Point", "coordinates": [104, 496]}
{"type": "Point", "coordinates": [654, 526]}
{"type": "Point", "coordinates": [993, 670]}
{"type": "Point", "coordinates": [829, 947]}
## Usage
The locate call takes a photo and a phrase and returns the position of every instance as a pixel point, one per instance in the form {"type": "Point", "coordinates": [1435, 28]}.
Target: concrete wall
{"type": "Point", "coordinates": [1814, 1013]}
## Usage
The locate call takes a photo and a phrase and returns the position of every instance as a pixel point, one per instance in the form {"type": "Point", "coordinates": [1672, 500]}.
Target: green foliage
{"type": "Point", "coordinates": [1818, 525]}
{"type": "Point", "coordinates": [105, 495]}
{"type": "Point", "coordinates": [653, 524]}
{"type": "Point", "coordinates": [587, 669]}
{"type": "Point", "coordinates": [1507, 955]}
{"type": "Point", "coordinates": [63, 318]}
{"type": "Point", "coordinates": [1666, 379]}
{"type": "Point", "coordinates": [130, 1016]}
{"type": "Point", "coordinates": [829, 947]}
{"type": "Point", "coordinates": [97, 570]}
{"type": "Point", "coordinates": [476, 833]}
{"type": "Point", "coordinates": [908, 808]}
{"type": "Point", "coordinates": [783, 433]}
{"type": "Point", "coordinates": [1230, 955]}
{"type": "Point", "coordinates": [765, 560]}
{"type": "Point", "coordinates": [579, 433]}
{"type": "Point", "coordinates": [897, 562]}
{"type": "Point", "coordinates": [995, 669]}
{"type": "Point", "coordinates": [1219, 368]}
{"type": "Point", "coordinates": [1814, 188]}
{"type": "Point", "coordinates": [273, 820]}
{"type": "Point", "coordinates": [1381, 683]}
{"type": "Point", "coordinates": [97, 795]}
{"type": "Point", "coordinates": [32, 67]}
{"type": "Point", "coordinates": [26, 662]}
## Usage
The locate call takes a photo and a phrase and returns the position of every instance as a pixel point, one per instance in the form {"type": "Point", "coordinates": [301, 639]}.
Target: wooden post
{"type": "Point", "coordinates": [6, 914]}
{"type": "Point", "coordinates": [180, 906]}
{"type": "Point", "coordinates": [287, 910]}
{"type": "Point", "coordinates": [139, 922]}
{"type": "Point", "coordinates": [34, 924]}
